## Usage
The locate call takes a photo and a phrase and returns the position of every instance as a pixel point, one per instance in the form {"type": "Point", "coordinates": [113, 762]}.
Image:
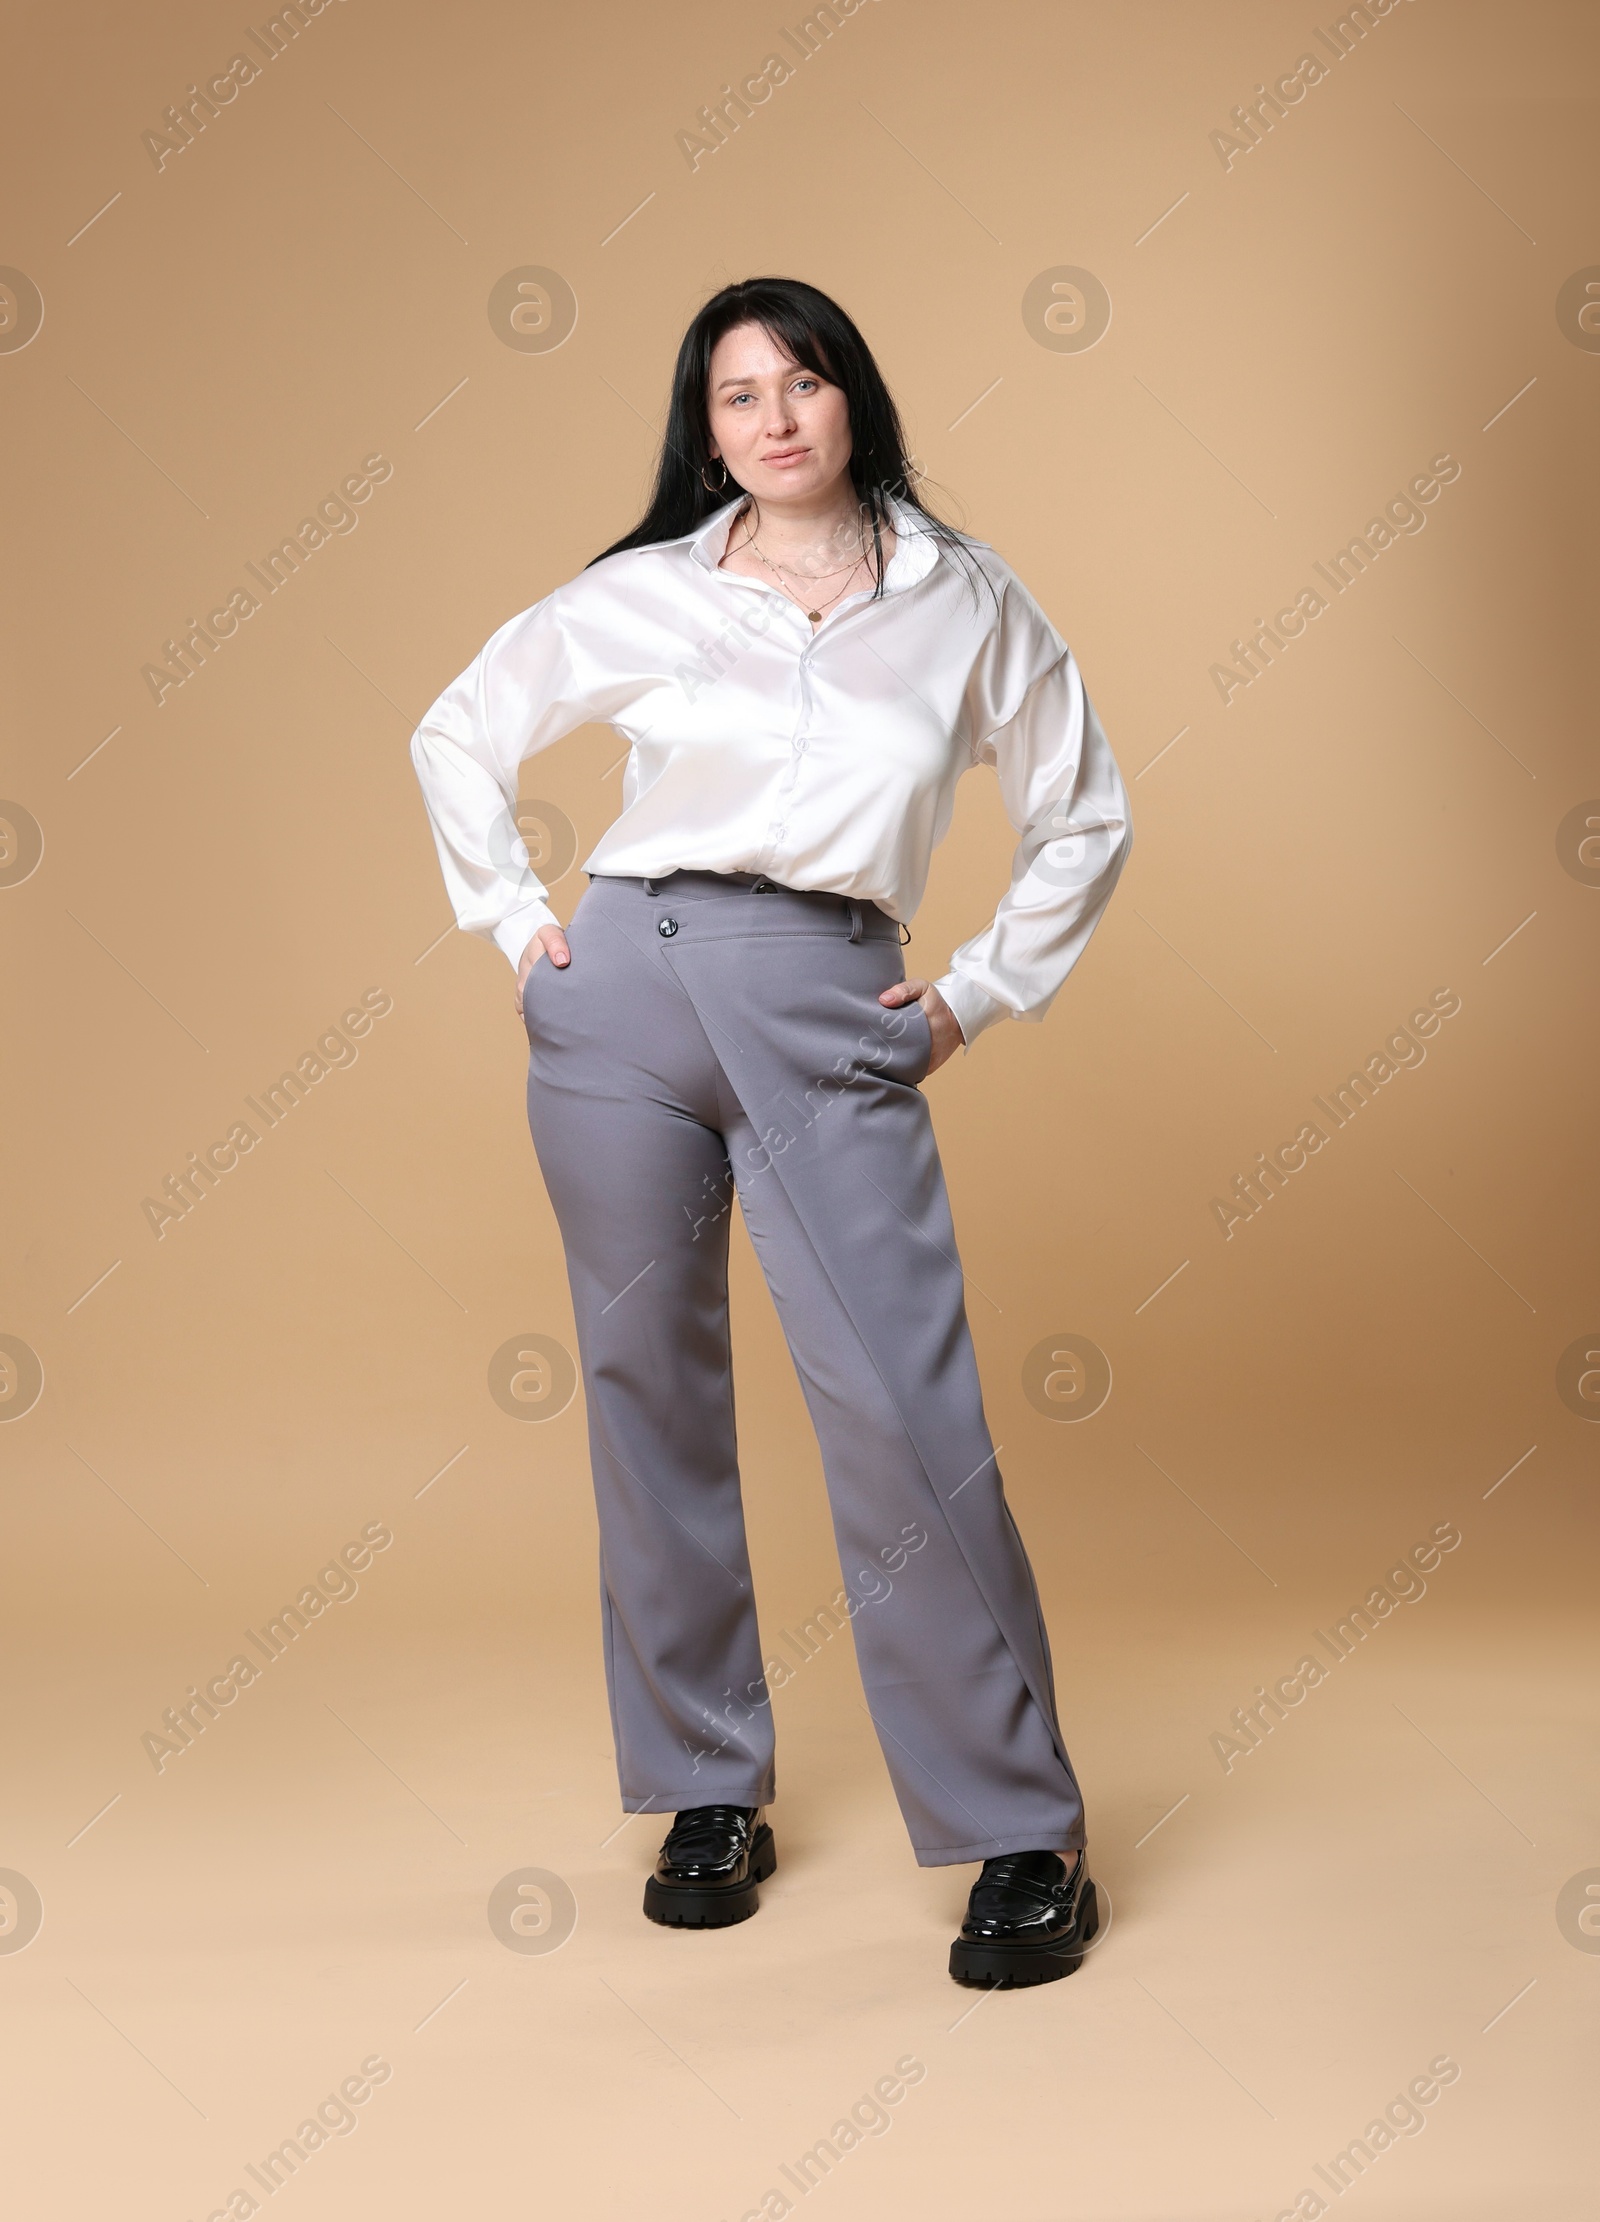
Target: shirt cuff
{"type": "Point", "coordinates": [973, 1008]}
{"type": "Point", "coordinates": [513, 934]}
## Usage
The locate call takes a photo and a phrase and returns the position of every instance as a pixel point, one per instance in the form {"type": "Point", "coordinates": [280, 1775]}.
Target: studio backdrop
{"type": "Point", "coordinates": [1263, 344]}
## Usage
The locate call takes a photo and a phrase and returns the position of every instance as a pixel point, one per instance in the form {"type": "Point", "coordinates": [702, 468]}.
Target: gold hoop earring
{"type": "Point", "coordinates": [721, 487]}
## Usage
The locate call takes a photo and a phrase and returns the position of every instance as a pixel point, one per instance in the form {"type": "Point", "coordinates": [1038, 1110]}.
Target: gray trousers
{"type": "Point", "coordinates": [716, 1035]}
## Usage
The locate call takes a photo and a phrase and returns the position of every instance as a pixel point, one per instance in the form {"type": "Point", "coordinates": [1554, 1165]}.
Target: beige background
{"type": "Point", "coordinates": [1376, 818]}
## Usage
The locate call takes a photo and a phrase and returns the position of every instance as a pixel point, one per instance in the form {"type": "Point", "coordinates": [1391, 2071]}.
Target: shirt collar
{"type": "Point", "coordinates": [915, 551]}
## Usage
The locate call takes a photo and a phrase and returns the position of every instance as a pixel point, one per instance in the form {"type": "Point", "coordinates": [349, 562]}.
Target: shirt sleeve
{"type": "Point", "coordinates": [1064, 795]}
{"type": "Point", "coordinates": [518, 695]}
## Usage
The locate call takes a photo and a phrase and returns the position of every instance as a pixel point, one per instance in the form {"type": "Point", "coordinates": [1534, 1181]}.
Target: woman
{"type": "Point", "coordinates": [804, 661]}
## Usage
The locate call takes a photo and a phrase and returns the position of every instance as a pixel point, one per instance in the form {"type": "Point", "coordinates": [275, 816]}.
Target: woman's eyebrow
{"type": "Point", "coordinates": [788, 373]}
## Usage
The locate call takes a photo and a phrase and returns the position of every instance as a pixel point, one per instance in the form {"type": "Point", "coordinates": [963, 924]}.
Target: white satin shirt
{"type": "Point", "coordinates": [824, 757]}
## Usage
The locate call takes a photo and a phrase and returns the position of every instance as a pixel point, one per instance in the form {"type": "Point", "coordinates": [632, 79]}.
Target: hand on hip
{"type": "Point", "coordinates": [548, 941]}
{"type": "Point", "coordinates": [943, 1024]}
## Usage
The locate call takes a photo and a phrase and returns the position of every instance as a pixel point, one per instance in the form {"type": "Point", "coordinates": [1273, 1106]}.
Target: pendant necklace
{"type": "Point", "coordinates": [815, 615]}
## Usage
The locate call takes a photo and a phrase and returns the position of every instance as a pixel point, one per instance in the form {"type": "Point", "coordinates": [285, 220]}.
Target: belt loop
{"type": "Point", "coordinates": [855, 918]}
{"type": "Point", "coordinates": [649, 886]}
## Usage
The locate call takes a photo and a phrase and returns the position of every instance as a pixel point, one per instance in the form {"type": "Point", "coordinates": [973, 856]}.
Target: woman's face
{"type": "Point", "coordinates": [783, 432]}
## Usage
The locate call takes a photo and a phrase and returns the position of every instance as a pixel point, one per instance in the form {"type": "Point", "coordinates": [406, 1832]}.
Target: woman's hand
{"type": "Point", "coordinates": [548, 941]}
{"type": "Point", "coordinates": [943, 1024]}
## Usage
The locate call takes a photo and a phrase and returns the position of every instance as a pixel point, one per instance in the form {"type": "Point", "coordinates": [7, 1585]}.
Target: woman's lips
{"type": "Point", "coordinates": [782, 458]}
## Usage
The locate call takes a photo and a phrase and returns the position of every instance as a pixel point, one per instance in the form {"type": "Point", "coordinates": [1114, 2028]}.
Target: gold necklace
{"type": "Point", "coordinates": [777, 570]}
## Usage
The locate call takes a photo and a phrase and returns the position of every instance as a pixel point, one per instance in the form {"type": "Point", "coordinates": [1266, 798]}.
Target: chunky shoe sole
{"type": "Point", "coordinates": [713, 1905]}
{"type": "Point", "coordinates": [1011, 1963]}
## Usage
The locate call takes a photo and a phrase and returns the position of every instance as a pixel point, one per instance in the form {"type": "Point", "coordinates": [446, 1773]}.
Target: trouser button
{"type": "Point", "coordinates": [666, 928]}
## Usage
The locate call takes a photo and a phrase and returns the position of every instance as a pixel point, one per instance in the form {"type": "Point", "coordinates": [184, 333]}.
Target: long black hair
{"type": "Point", "coordinates": [821, 338]}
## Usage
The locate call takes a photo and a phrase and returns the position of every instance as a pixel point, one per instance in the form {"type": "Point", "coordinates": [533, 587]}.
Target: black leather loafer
{"type": "Point", "coordinates": [710, 1864]}
{"type": "Point", "coordinates": [1030, 1919]}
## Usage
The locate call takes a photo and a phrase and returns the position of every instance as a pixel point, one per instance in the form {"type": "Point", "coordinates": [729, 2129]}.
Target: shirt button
{"type": "Point", "coordinates": [666, 928]}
